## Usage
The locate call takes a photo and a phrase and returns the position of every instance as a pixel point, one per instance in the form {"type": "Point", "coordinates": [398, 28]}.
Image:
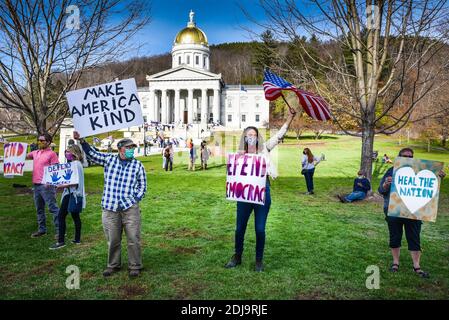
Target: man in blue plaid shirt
{"type": "Point", "coordinates": [125, 184]}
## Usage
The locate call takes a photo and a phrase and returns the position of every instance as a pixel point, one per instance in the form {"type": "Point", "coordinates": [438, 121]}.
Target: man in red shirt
{"type": "Point", "coordinates": [43, 194]}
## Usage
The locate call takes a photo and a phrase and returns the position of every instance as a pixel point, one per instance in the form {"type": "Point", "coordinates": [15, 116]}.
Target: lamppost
{"type": "Point", "coordinates": [145, 126]}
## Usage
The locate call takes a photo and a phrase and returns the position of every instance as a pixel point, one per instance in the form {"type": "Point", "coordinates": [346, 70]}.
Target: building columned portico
{"type": "Point", "coordinates": [189, 94]}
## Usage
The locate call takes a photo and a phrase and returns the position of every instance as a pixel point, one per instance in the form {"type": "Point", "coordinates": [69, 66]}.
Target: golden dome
{"type": "Point", "coordinates": [191, 34]}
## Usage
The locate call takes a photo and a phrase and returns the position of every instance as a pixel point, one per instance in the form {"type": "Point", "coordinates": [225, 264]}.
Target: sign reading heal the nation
{"type": "Point", "coordinates": [415, 189]}
{"type": "Point", "coordinates": [61, 174]}
{"type": "Point", "coordinates": [14, 158]}
{"type": "Point", "coordinates": [105, 108]}
{"type": "Point", "coordinates": [246, 177]}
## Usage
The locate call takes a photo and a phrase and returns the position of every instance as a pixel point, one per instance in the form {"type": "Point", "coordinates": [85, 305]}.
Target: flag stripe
{"type": "Point", "coordinates": [315, 106]}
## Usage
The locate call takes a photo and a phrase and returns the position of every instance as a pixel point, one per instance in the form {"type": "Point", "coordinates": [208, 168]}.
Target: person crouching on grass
{"type": "Point", "coordinates": [125, 184]}
{"type": "Point", "coordinates": [73, 198]}
{"type": "Point", "coordinates": [251, 142]}
{"type": "Point", "coordinates": [397, 224]}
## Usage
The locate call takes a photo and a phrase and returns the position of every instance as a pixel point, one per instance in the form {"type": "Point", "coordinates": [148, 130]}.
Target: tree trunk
{"type": "Point", "coordinates": [367, 150]}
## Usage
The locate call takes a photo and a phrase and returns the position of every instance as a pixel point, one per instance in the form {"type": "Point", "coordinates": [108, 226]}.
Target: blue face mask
{"type": "Point", "coordinates": [129, 153]}
{"type": "Point", "coordinates": [251, 140]}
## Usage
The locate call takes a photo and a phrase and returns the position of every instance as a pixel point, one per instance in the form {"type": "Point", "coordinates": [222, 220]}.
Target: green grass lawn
{"type": "Point", "coordinates": [316, 247]}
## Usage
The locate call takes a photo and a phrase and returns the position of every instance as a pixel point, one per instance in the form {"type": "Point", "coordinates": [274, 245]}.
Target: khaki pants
{"type": "Point", "coordinates": [113, 225]}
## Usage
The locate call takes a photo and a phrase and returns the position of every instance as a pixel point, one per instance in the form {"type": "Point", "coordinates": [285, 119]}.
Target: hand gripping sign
{"type": "Point", "coordinates": [415, 189]}
{"type": "Point", "coordinates": [246, 178]}
{"type": "Point", "coordinates": [61, 174]}
{"type": "Point", "coordinates": [105, 108]}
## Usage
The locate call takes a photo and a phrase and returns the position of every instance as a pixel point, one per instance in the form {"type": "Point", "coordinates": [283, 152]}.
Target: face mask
{"type": "Point", "coordinates": [69, 156]}
{"type": "Point", "coordinates": [251, 140]}
{"type": "Point", "coordinates": [129, 153]}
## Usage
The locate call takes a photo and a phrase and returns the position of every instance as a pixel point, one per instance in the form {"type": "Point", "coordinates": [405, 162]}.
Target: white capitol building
{"type": "Point", "coordinates": [190, 98]}
{"type": "Point", "coordinates": [189, 93]}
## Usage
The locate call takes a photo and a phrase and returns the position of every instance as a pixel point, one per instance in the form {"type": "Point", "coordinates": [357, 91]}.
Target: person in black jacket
{"type": "Point", "coordinates": [359, 191]}
{"type": "Point", "coordinates": [396, 225]}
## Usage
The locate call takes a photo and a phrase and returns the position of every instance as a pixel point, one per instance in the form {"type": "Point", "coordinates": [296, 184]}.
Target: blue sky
{"type": "Point", "coordinates": [222, 21]}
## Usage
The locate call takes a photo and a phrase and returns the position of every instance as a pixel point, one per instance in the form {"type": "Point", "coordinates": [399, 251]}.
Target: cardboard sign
{"type": "Point", "coordinates": [415, 189]}
{"type": "Point", "coordinates": [14, 162]}
{"type": "Point", "coordinates": [60, 174]}
{"type": "Point", "coordinates": [246, 178]}
{"type": "Point", "coordinates": [105, 108]}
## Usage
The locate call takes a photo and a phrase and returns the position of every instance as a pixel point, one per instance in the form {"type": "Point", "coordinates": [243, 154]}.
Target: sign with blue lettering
{"type": "Point", "coordinates": [61, 174]}
{"type": "Point", "coordinates": [105, 108]}
{"type": "Point", "coordinates": [415, 189]}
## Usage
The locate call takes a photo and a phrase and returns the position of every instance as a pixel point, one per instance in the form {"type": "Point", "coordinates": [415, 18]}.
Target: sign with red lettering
{"type": "Point", "coordinates": [104, 108]}
{"type": "Point", "coordinates": [246, 178]}
{"type": "Point", "coordinates": [14, 162]}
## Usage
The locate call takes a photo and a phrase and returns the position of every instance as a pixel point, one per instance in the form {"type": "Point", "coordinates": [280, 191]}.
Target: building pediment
{"type": "Point", "coordinates": [183, 73]}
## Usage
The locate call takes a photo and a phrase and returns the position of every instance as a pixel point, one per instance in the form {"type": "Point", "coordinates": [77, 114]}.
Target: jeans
{"type": "Point", "coordinates": [113, 225]}
{"type": "Point", "coordinates": [168, 163]}
{"type": "Point", "coordinates": [63, 211]}
{"type": "Point", "coordinates": [356, 195]}
{"type": "Point", "coordinates": [244, 210]}
{"type": "Point", "coordinates": [308, 174]}
{"type": "Point", "coordinates": [44, 194]}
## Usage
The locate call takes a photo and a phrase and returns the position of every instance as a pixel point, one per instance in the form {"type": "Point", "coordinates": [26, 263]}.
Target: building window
{"type": "Point", "coordinates": [229, 117]}
{"type": "Point", "coordinates": [229, 104]}
{"type": "Point", "coordinates": [204, 62]}
{"type": "Point", "coordinates": [243, 117]}
{"type": "Point", "coordinates": [257, 105]}
{"type": "Point", "coordinates": [179, 60]}
{"type": "Point", "coordinates": [188, 59]}
{"type": "Point", "coordinates": [197, 60]}
{"type": "Point", "coordinates": [144, 118]}
{"type": "Point", "coordinates": [257, 118]}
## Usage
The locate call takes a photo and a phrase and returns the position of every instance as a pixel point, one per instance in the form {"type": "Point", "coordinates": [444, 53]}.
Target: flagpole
{"type": "Point", "coordinates": [285, 100]}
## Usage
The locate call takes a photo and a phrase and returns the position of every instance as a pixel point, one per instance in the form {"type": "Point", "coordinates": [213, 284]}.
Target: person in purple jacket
{"type": "Point", "coordinates": [361, 188]}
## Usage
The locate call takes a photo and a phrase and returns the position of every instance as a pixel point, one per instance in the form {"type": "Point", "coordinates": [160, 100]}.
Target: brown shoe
{"type": "Point", "coordinates": [38, 234]}
{"type": "Point", "coordinates": [110, 271]}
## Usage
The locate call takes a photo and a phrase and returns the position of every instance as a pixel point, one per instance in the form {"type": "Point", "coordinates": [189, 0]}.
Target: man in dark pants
{"type": "Point", "coordinates": [397, 224]}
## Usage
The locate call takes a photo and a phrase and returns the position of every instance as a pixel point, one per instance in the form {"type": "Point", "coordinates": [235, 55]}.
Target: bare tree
{"type": "Point", "coordinates": [374, 61]}
{"type": "Point", "coordinates": [46, 45]}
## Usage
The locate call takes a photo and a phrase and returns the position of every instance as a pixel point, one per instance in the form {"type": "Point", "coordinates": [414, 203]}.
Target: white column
{"type": "Point", "coordinates": [164, 106]}
{"type": "Point", "coordinates": [177, 106]}
{"type": "Point", "coordinates": [204, 107]}
{"type": "Point", "coordinates": [151, 107]}
{"type": "Point", "coordinates": [157, 105]}
{"type": "Point", "coordinates": [190, 106]}
{"type": "Point", "coordinates": [216, 107]}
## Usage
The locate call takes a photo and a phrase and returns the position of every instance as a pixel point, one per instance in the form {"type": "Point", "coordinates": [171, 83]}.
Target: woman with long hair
{"type": "Point", "coordinates": [252, 143]}
{"type": "Point", "coordinates": [74, 194]}
{"type": "Point", "coordinates": [309, 162]}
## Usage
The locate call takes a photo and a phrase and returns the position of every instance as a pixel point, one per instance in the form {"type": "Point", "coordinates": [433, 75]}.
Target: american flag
{"type": "Point", "coordinates": [313, 105]}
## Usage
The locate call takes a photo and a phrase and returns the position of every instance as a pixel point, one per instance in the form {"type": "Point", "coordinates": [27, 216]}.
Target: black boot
{"type": "Point", "coordinates": [236, 260]}
{"type": "Point", "coordinates": [259, 265]}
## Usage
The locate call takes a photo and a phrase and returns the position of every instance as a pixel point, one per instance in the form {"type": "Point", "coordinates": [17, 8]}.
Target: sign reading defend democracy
{"type": "Point", "coordinates": [246, 178]}
{"type": "Point", "coordinates": [14, 161]}
{"type": "Point", "coordinates": [60, 174]}
{"type": "Point", "coordinates": [105, 108]}
{"type": "Point", "coordinates": [415, 189]}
